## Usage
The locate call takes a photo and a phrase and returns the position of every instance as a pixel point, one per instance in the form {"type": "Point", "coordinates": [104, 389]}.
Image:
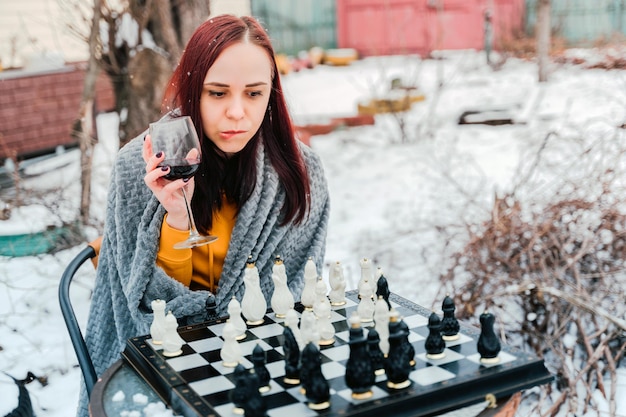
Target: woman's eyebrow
{"type": "Point", "coordinates": [218, 84]}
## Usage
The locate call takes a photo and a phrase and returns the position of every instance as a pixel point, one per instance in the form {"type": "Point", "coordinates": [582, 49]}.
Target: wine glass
{"type": "Point", "coordinates": [178, 140]}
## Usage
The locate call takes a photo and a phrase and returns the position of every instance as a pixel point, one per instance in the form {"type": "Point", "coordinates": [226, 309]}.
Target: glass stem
{"type": "Point", "coordinates": [192, 223]}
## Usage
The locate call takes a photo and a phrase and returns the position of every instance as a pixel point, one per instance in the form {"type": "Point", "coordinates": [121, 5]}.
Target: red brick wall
{"type": "Point", "coordinates": [38, 109]}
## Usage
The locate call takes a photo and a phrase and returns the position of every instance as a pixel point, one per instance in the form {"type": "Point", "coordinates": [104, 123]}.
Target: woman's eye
{"type": "Point", "coordinates": [255, 93]}
{"type": "Point", "coordinates": [216, 93]}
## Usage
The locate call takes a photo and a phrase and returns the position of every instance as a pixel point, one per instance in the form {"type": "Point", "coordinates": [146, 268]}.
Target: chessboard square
{"type": "Point", "coordinates": [207, 345]}
{"type": "Point", "coordinates": [415, 320]}
{"type": "Point", "coordinates": [415, 337]}
{"type": "Point", "coordinates": [344, 336]}
{"type": "Point", "coordinates": [217, 328]}
{"type": "Point", "coordinates": [276, 369]}
{"type": "Point", "coordinates": [226, 410]}
{"type": "Point", "coordinates": [430, 375]}
{"type": "Point", "coordinates": [450, 356]}
{"type": "Point", "coordinates": [273, 356]}
{"type": "Point", "coordinates": [274, 341]}
{"type": "Point", "coordinates": [275, 388]}
{"type": "Point", "coordinates": [269, 330]}
{"type": "Point", "coordinates": [504, 358]}
{"type": "Point", "coordinates": [196, 374]}
{"type": "Point", "coordinates": [296, 409]}
{"type": "Point", "coordinates": [197, 334]}
{"type": "Point", "coordinates": [212, 385]}
{"type": "Point", "coordinates": [333, 369]}
{"type": "Point", "coordinates": [225, 370]}
{"type": "Point", "coordinates": [187, 362]}
{"type": "Point", "coordinates": [463, 338]}
{"type": "Point", "coordinates": [377, 394]}
{"type": "Point", "coordinates": [335, 316]}
{"type": "Point", "coordinates": [349, 303]}
{"type": "Point", "coordinates": [248, 347]}
{"type": "Point", "coordinates": [337, 353]}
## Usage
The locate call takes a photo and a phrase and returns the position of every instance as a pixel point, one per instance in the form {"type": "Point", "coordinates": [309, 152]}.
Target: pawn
{"type": "Point", "coordinates": [172, 342]}
{"type": "Point", "coordinates": [255, 404]}
{"type": "Point", "coordinates": [325, 327]}
{"type": "Point", "coordinates": [376, 355]}
{"type": "Point", "coordinates": [434, 344]}
{"type": "Point", "coordinates": [157, 328]}
{"type": "Point", "coordinates": [488, 344]}
{"type": "Point", "coordinates": [292, 357]}
{"type": "Point", "coordinates": [397, 363]}
{"type": "Point", "coordinates": [337, 283]}
{"type": "Point", "coordinates": [231, 351]}
{"type": "Point", "coordinates": [282, 298]}
{"type": "Point", "coordinates": [366, 306]}
{"type": "Point", "coordinates": [253, 304]}
{"type": "Point", "coordinates": [258, 359]}
{"type": "Point", "coordinates": [449, 324]}
{"type": "Point", "coordinates": [382, 290]}
{"type": "Point", "coordinates": [320, 294]}
{"type": "Point", "coordinates": [316, 386]}
{"type": "Point", "coordinates": [360, 374]}
{"type": "Point", "coordinates": [292, 321]}
{"type": "Point", "coordinates": [238, 395]}
{"type": "Point", "coordinates": [381, 318]}
{"type": "Point", "coordinates": [234, 313]}
{"type": "Point", "coordinates": [367, 276]}
{"type": "Point", "coordinates": [307, 299]}
{"type": "Point", "coordinates": [308, 328]}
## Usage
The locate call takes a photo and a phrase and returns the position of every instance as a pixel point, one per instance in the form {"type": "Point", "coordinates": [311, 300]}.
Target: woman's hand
{"type": "Point", "coordinates": [169, 193]}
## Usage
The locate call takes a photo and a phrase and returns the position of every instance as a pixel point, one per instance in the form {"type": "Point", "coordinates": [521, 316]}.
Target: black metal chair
{"type": "Point", "coordinates": [76, 336]}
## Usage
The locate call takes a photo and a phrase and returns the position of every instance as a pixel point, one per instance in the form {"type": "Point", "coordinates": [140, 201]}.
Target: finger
{"type": "Point", "coordinates": [193, 154]}
{"type": "Point", "coordinates": [146, 150]}
{"type": "Point", "coordinates": [153, 177]}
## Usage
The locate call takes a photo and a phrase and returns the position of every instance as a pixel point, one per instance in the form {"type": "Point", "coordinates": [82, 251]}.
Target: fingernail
{"type": "Point", "coordinates": [160, 154]}
{"type": "Point", "coordinates": [165, 167]}
{"type": "Point", "coordinates": [144, 138]}
{"type": "Point", "coordinates": [186, 179]}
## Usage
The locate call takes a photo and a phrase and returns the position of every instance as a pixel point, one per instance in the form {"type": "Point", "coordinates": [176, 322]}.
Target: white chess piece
{"type": "Point", "coordinates": [282, 298]}
{"type": "Point", "coordinates": [326, 329]}
{"type": "Point", "coordinates": [158, 322]}
{"type": "Point", "coordinates": [320, 295]}
{"type": "Point", "coordinates": [337, 283]}
{"type": "Point", "coordinates": [366, 305]}
{"type": "Point", "coordinates": [381, 318]}
{"type": "Point", "coordinates": [172, 342]}
{"type": "Point", "coordinates": [292, 321]}
{"type": "Point", "coordinates": [231, 351]}
{"type": "Point", "coordinates": [234, 313]}
{"type": "Point", "coordinates": [367, 276]}
{"type": "Point", "coordinates": [253, 304]}
{"type": "Point", "coordinates": [310, 280]}
{"type": "Point", "coordinates": [309, 329]}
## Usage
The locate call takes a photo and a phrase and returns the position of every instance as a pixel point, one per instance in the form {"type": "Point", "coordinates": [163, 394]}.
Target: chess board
{"type": "Point", "coordinates": [197, 384]}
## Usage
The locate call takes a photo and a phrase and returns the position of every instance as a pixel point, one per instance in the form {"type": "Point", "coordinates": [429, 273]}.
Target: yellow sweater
{"type": "Point", "coordinates": [200, 267]}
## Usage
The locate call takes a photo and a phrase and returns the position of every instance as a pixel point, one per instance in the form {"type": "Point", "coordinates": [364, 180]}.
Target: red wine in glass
{"type": "Point", "coordinates": [180, 168]}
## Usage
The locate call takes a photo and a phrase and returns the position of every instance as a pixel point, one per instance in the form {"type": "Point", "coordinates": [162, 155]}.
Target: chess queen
{"type": "Point", "coordinates": [256, 187]}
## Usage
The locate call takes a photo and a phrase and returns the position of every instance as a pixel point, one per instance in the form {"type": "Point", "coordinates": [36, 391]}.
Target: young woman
{"type": "Point", "coordinates": [258, 189]}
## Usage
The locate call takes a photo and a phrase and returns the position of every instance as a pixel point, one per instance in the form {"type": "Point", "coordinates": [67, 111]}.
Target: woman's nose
{"type": "Point", "coordinates": [235, 109]}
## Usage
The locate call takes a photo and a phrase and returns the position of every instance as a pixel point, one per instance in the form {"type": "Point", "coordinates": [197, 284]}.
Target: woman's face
{"type": "Point", "coordinates": [235, 95]}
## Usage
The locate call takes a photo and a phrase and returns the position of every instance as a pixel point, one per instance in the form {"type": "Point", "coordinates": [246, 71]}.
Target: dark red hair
{"type": "Point", "coordinates": [236, 176]}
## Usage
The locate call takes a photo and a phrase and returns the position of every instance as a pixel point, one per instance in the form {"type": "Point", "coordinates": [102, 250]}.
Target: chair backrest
{"type": "Point", "coordinates": [76, 336]}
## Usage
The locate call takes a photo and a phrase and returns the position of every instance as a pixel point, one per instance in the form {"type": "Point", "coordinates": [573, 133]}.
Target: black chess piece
{"type": "Point", "coordinates": [434, 344]}
{"type": "Point", "coordinates": [488, 343]}
{"type": "Point", "coordinates": [239, 394]}
{"type": "Point", "coordinates": [292, 357]}
{"type": "Point", "coordinates": [306, 368]}
{"type": "Point", "coordinates": [382, 289]}
{"type": "Point", "coordinates": [211, 309]}
{"type": "Point", "coordinates": [449, 324]}
{"type": "Point", "coordinates": [317, 387]}
{"type": "Point", "coordinates": [360, 374]}
{"type": "Point", "coordinates": [376, 355]}
{"type": "Point", "coordinates": [397, 363]}
{"type": "Point", "coordinates": [258, 359]}
{"type": "Point", "coordinates": [406, 345]}
{"type": "Point", "coordinates": [255, 404]}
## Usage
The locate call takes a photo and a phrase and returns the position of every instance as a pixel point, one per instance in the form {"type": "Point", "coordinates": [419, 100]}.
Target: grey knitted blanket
{"type": "Point", "coordinates": [128, 278]}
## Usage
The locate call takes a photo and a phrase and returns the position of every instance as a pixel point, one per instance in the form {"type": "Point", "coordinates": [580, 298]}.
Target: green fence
{"type": "Point", "coordinates": [581, 21]}
{"type": "Point", "coordinates": [298, 25]}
